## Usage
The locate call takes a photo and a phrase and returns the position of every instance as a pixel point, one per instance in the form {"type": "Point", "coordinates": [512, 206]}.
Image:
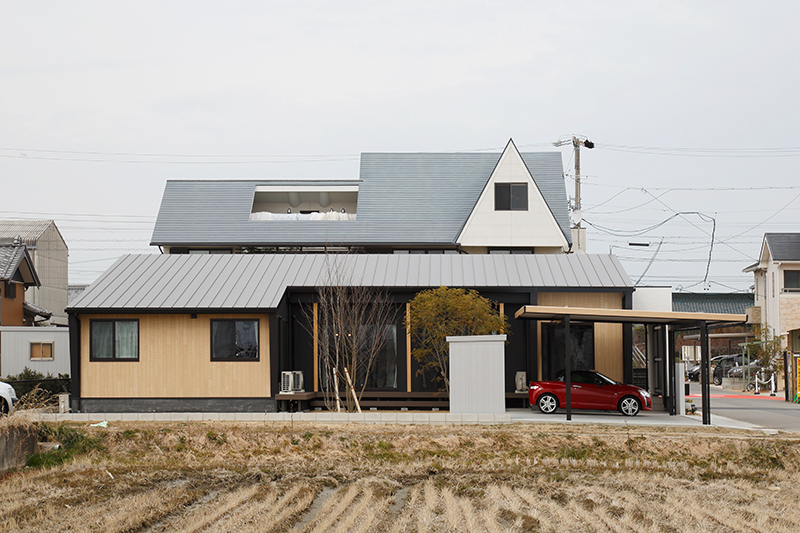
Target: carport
{"type": "Point", "coordinates": [660, 327]}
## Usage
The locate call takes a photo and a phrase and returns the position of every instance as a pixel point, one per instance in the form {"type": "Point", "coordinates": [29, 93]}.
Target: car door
{"type": "Point", "coordinates": [595, 395]}
{"type": "Point", "coordinates": [581, 391]}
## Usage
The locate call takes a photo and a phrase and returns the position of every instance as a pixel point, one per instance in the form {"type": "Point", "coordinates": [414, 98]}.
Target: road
{"type": "Point", "coordinates": [762, 410]}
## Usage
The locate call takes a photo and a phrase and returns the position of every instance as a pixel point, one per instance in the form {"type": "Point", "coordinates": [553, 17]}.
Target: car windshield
{"type": "Point", "coordinates": [607, 379]}
{"type": "Point", "coordinates": [587, 376]}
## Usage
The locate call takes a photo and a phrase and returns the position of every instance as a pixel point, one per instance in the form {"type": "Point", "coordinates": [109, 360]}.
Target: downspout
{"type": "Point", "coordinates": [75, 360]}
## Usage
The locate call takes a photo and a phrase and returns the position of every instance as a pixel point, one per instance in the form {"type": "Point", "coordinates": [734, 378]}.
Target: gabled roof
{"type": "Point", "coordinates": [14, 259]}
{"type": "Point", "coordinates": [30, 231]}
{"type": "Point", "coordinates": [783, 246]}
{"type": "Point", "coordinates": [201, 282]}
{"type": "Point", "coordinates": [712, 302]}
{"type": "Point", "coordinates": [403, 198]}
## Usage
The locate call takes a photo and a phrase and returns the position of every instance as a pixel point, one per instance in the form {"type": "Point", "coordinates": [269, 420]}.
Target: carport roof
{"type": "Point", "coordinates": [625, 316]}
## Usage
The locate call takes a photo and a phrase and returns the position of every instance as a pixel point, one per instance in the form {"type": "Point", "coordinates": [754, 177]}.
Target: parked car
{"type": "Point", "coordinates": [7, 398]}
{"type": "Point", "coordinates": [590, 390]}
{"type": "Point", "coordinates": [751, 370]}
{"type": "Point", "coordinates": [724, 364]}
{"type": "Point", "coordinates": [694, 373]}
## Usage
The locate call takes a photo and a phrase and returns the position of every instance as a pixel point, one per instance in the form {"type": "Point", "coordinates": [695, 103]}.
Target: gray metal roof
{"type": "Point", "coordinates": [259, 281]}
{"type": "Point", "coordinates": [783, 246]}
{"type": "Point", "coordinates": [403, 198]}
{"type": "Point", "coordinates": [735, 303]}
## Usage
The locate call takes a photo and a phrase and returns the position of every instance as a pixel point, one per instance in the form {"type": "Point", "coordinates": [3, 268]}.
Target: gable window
{"type": "Point", "coordinates": [510, 196]}
{"type": "Point", "coordinates": [791, 280]}
{"type": "Point", "coordinates": [234, 340]}
{"type": "Point", "coordinates": [114, 340]}
{"type": "Point", "coordinates": [41, 351]}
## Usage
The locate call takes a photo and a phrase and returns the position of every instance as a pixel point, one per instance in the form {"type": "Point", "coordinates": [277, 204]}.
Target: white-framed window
{"type": "Point", "coordinates": [41, 351]}
{"type": "Point", "coordinates": [510, 196]}
{"type": "Point", "coordinates": [791, 280]}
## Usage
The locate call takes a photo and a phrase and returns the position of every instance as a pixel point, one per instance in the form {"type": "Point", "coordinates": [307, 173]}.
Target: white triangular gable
{"type": "Point", "coordinates": [536, 227]}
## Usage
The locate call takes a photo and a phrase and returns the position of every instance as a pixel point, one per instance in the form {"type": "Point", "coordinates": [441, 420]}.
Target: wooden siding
{"type": "Point", "coordinates": [11, 313]}
{"type": "Point", "coordinates": [175, 362]}
{"type": "Point", "coordinates": [607, 337]}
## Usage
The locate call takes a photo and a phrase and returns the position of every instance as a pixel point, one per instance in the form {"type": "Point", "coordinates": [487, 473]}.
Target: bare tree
{"type": "Point", "coordinates": [353, 324]}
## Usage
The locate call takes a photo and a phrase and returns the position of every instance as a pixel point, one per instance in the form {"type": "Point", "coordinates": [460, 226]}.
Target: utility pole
{"type": "Point", "coordinates": [578, 232]}
{"type": "Point", "coordinates": [577, 146]}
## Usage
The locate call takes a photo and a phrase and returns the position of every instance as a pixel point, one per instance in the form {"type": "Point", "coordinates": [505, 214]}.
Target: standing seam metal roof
{"type": "Point", "coordinates": [250, 282]}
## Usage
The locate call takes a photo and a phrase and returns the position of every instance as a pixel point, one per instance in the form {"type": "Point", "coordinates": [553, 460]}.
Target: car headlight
{"type": "Point", "coordinates": [645, 393]}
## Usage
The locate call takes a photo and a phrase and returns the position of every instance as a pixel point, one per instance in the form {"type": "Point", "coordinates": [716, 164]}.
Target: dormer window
{"type": "Point", "coordinates": [510, 196]}
{"type": "Point", "coordinates": [315, 201]}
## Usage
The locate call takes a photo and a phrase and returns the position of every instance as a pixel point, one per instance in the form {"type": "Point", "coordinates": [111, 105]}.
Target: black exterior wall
{"type": "Point", "coordinates": [178, 405]}
{"type": "Point", "coordinates": [521, 348]}
{"type": "Point", "coordinates": [75, 361]}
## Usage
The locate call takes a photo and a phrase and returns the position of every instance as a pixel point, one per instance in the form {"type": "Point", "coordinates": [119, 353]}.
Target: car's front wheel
{"type": "Point", "coordinates": [3, 407]}
{"type": "Point", "coordinates": [547, 403]}
{"type": "Point", "coordinates": [718, 380]}
{"type": "Point", "coordinates": [629, 406]}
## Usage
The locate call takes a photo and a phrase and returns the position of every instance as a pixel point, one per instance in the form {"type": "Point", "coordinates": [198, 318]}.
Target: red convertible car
{"type": "Point", "coordinates": [590, 390]}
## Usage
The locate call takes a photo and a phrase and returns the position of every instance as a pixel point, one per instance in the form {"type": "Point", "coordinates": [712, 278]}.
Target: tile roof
{"type": "Point", "coordinates": [10, 258]}
{"type": "Point", "coordinates": [13, 258]}
{"type": "Point", "coordinates": [259, 281]}
{"type": "Point", "coordinates": [712, 302]}
{"type": "Point", "coordinates": [783, 246]}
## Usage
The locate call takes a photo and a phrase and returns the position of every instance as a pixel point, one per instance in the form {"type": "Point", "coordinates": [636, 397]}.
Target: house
{"type": "Point", "coordinates": [50, 257]}
{"type": "Point", "coordinates": [723, 341]}
{"type": "Point", "coordinates": [776, 287]}
{"type": "Point", "coordinates": [44, 350]}
{"type": "Point", "coordinates": [143, 335]}
{"type": "Point", "coordinates": [402, 203]}
{"type": "Point", "coordinates": [231, 303]}
{"type": "Point", "coordinates": [39, 348]}
{"type": "Point", "coordinates": [17, 274]}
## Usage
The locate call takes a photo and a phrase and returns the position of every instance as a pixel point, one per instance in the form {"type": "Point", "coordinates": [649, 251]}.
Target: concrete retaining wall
{"type": "Point", "coordinates": [17, 443]}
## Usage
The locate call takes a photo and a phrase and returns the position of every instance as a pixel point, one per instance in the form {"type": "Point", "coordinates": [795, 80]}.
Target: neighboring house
{"type": "Point", "coordinates": [75, 290]}
{"type": "Point", "coordinates": [722, 341]}
{"type": "Point", "coordinates": [777, 287]}
{"type": "Point", "coordinates": [734, 303]}
{"type": "Point", "coordinates": [20, 344]}
{"type": "Point", "coordinates": [17, 274]}
{"type": "Point", "coordinates": [402, 203]}
{"type": "Point", "coordinates": [50, 258]}
{"type": "Point", "coordinates": [44, 350]}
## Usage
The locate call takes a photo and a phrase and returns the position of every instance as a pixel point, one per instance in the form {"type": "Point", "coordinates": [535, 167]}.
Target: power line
{"type": "Point", "coordinates": [703, 152]}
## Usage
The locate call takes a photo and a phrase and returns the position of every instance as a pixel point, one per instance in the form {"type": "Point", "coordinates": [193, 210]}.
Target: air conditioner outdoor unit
{"type": "Point", "coordinates": [520, 381]}
{"type": "Point", "coordinates": [292, 381]}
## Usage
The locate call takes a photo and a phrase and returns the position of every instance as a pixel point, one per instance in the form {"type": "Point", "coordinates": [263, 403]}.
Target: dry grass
{"type": "Point", "coordinates": [203, 477]}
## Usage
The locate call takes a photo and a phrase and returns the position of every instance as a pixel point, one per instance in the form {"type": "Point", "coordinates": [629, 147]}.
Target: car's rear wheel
{"type": "Point", "coordinates": [629, 406]}
{"type": "Point", "coordinates": [547, 403]}
{"type": "Point", "coordinates": [717, 380]}
{"type": "Point", "coordinates": [3, 407]}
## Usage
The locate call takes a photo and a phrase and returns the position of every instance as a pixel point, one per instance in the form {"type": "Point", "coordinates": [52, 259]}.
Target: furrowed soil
{"type": "Point", "coordinates": [212, 476]}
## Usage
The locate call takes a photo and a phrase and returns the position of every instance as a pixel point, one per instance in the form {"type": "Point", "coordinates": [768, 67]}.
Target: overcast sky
{"type": "Point", "coordinates": [693, 107]}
